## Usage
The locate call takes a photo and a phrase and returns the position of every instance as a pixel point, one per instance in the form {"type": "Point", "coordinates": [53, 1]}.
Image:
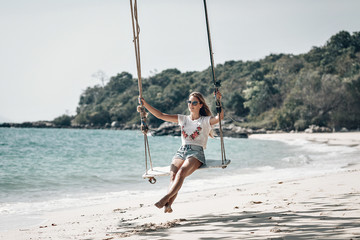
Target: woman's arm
{"type": "Point", "coordinates": [163, 116]}
{"type": "Point", "coordinates": [215, 120]}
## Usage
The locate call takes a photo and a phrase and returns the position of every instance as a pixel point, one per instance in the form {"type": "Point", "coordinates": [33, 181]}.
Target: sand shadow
{"type": "Point", "coordinates": [314, 222]}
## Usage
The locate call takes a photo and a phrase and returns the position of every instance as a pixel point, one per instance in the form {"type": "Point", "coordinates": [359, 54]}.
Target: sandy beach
{"type": "Point", "coordinates": [318, 207]}
{"type": "Point", "coordinates": [351, 139]}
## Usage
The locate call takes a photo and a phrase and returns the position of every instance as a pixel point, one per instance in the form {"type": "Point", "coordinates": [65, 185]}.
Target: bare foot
{"type": "Point", "coordinates": [158, 205]}
{"type": "Point", "coordinates": [161, 203]}
{"type": "Point", "coordinates": [168, 209]}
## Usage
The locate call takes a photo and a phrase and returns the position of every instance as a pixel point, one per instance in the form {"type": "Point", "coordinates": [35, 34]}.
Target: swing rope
{"type": "Point", "coordinates": [141, 108]}
{"type": "Point", "coordinates": [217, 85]}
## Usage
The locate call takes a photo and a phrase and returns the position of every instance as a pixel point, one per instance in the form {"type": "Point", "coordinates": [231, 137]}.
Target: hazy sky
{"type": "Point", "coordinates": [50, 49]}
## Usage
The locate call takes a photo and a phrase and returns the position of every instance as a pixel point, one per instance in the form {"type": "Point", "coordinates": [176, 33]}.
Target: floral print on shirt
{"type": "Point", "coordinates": [193, 135]}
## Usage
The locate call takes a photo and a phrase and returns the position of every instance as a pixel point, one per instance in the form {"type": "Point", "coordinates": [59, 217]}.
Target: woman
{"type": "Point", "coordinates": [195, 129]}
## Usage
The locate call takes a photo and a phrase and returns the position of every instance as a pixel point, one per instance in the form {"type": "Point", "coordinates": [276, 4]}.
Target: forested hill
{"type": "Point", "coordinates": [281, 91]}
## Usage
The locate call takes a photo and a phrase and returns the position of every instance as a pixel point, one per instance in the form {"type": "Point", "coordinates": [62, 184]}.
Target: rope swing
{"type": "Point", "coordinates": [141, 108]}
{"type": "Point", "coordinates": [217, 85]}
{"type": "Point", "coordinates": [150, 174]}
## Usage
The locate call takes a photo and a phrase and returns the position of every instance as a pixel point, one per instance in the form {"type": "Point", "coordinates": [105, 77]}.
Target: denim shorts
{"type": "Point", "coordinates": [187, 151]}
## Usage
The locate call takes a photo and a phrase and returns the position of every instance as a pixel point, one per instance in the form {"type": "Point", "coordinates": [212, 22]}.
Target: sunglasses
{"type": "Point", "coordinates": [194, 103]}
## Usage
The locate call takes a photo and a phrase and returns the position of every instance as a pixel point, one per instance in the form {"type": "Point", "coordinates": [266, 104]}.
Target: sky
{"type": "Point", "coordinates": [50, 50]}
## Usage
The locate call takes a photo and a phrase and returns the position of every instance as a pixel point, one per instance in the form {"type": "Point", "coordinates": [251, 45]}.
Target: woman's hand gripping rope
{"type": "Point", "coordinates": [218, 97]}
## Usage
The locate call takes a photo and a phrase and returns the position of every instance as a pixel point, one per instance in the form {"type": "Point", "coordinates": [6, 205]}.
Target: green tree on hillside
{"type": "Point", "coordinates": [281, 91]}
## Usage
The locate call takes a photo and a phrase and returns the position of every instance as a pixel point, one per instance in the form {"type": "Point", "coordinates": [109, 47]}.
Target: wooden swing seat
{"type": "Point", "coordinates": [165, 171]}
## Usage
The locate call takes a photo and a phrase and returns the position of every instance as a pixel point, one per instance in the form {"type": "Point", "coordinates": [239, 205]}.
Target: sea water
{"type": "Point", "coordinates": [49, 169]}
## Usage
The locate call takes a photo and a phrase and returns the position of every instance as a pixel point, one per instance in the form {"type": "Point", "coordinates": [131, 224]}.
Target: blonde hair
{"type": "Point", "coordinates": [204, 110]}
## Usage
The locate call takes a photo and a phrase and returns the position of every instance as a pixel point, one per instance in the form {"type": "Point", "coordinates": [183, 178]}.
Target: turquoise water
{"type": "Point", "coordinates": [47, 169]}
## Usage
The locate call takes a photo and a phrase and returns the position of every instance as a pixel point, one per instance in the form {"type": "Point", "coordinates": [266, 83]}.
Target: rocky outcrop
{"type": "Point", "coordinates": [317, 129]}
{"type": "Point", "coordinates": [166, 128]}
{"type": "Point", "coordinates": [173, 129]}
{"type": "Point", "coordinates": [50, 124]}
{"type": "Point", "coordinates": [232, 131]}
{"type": "Point", "coordinates": [38, 124]}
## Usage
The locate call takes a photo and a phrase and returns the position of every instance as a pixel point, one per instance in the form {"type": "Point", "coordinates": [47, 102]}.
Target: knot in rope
{"type": "Point", "coordinates": [217, 85]}
{"type": "Point", "coordinates": [143, 117]}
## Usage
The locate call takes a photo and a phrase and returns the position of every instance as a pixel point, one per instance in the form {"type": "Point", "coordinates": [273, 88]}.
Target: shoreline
{"type": "Point", "coordinates": [325, 206]}
{"type": "Point", "coordinates": [350, 139]}
{"type": "Point", "coordinates": [322, 133]}
{"type": "Point", "coordinates": [321, 207]}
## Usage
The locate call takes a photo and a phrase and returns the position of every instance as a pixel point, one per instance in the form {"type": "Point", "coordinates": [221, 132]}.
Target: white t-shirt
{"type": "Point", "coordinates": [194, 132]}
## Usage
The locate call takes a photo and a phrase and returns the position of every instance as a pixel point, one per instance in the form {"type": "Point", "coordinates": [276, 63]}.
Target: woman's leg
{"type": "Point", "coordinates": [168, 208]}
{"type": "Point", "coordinates": [174, 168]}
{"type": "Point", "coordinates": [187, 168]}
